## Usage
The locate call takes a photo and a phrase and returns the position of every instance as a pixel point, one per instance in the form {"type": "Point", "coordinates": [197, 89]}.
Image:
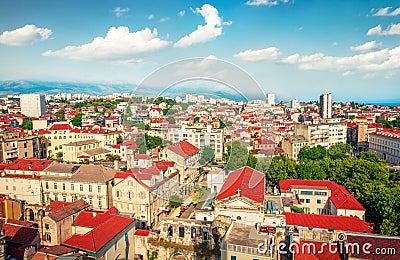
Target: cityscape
{"type": "Point", "coordinates": [133, 131]}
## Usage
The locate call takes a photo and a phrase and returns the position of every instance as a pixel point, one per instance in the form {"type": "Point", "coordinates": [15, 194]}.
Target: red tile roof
{"type": "Point", "coordinates": [99, 236]}
{"type": "Point", "coordinates": [164, 165]}
{"type": "Point", "coordinates": [32, 164]}
{"type": "Point", "coordinates": [68, 210]}
{"type": "Point", "coordinates": [56, 205]}
{"type": "Point", "coordinates": [340, 196]}
{"type": "Point", "coordinates": [250, 182]}
{"type": "Point", "coordinates": [60, 126]}
{"type": "Point", "coordinates": [183, 148]}
{"type": "Point", "coordinates": [142, 232]}
{"type": "Point", "coordinates": [343, 223]}
{"type": "Point", "coordinates": [93, 218]}
{"type": "Point", "coordinates": [142, 157]}
{"type": "Point", "coordinates": [312, 250]}
{"type": "Point", "coordinates": [20, 234]}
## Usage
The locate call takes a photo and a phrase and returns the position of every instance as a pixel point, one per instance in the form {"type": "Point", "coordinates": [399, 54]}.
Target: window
{"type": "Point", "coordinates": [320, 193]}
{"type": "Point", "coordinates": [318, 201]}
{"type": "Point", "coordinates": [117, 194]}
{"type": "Point", "coordinates": [129, 195]}
{"type": "Point", "coordinates": [90, 201]}
{"type": "Point", "coordinates": [100, 203]}
{"type": "Point", "coordinates": [72, 186]}
{"type": "Point", "coordinates": [65, 198]}
{"type": "Point", "coordinates": [46, 226]}
{"type": "Point", "coordinates": [307, 200]}
{"type": "Point", "coordinates": [56, 197]}
{"type": "Point", "coordinates": [14, 188]}
{"type": "Point", "coordinates": [116, 246]}
{"type": "Point", "coordinates": [63, 186]}
{"type": "Point", "coordinates": [181, 232]}
{"type": "Point", "coordinates": [306, 192]}
{"type": "Point", "coordinates": [233, 257]}
{"type": "Point", "coordinates": [55, 185]}
{"type": "Point", "coordinates": [170, 231]}
{"type": "Point", "coordinates": [321, 211]}
{"type": "Point", "coordinates": [98, 189]}
{"type": "Point", "coordinates": [306, 210]}
{"type": "Point", "coordinates": [47, 237]}
{"type": "Point", "coordinates": [81, 187]}
{"type": "Point", "coordinates": [90, 188]}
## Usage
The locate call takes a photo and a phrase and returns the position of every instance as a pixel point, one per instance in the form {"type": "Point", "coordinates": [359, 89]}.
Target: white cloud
{"type": "Point", "coordinates": [150, 17]}
{"type": "Point", "coordinates": [265, 2]}
{"type": "Point", "coordinates": [384, 59]}
{"type": "Point", "coordinates": [26, 35]}
{"type": "Point", "coordinates": [118, 11]}
{"type": "Point", "coordinates": [386, 12]}
{"type": "Point", "coordinates": [393, 29]}
{"type": "Point", "coordinates": [164, 19]}
{"type": "Point", "coordinates": [118, 44]}
{"type": "Point", "coordinates": [207, 32]}
{"type": "Point", "coordinates": [271, 53]}
{"type": "Point", "coordinates": [181, 13]}
{"type": "Point", "coordinates": [372, 45]}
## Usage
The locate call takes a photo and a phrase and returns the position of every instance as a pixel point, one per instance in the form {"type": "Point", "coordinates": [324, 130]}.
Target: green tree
{"type": "Point", "coordinates": [59, 156]}
{"type": "Point", "coordinates": [263, 165]}
{"type": "Point", "coordinates": [221, 124]}
{"type": "Point", "coordinates": [339, 151]}
{"type": "Point", "coordinates": [252, 161]}
{"type": "Point", "coordinates": [175, 201]}
{"type": "Point", "coordinates": [27, 125]}
{"type": "Point", "coordinates": [237, 156]}
{"type": "Point", "coordinates": [207, 153]}
{"type": "Point", "coordinates": [77, 119]}
{"type": "Point", "coordinates": [170, 120]}
{"type": "Point", "coordinates": [281, 168]}
{"type": "Point", "coordinates": [315, 153]}
{"type": "Point", "coordinates": [60, 114]}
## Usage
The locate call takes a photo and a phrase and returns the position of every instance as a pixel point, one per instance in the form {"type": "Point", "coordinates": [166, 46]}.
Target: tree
{"type": "Point", "coordinates": [252, 161]}
{"type": "Point", "coordinates": [170, 120]}
{"type": "Point", "coordinates": [281, 168]}
{"type": "Point", "coordinates": [207, 153]}
{"type": "Point", "coordinates": [141, 143]}
{"type": "Point", "coordinates": [60, 114]}
{"type": "Point", "coordinates": [315, 153]}
{"type": "Point", "coordinates": [263, 165]}
{"type": "Point", "coordinates": [175, 201]}
{"type": "Point", "coordinates": [339, 151]}
{"type": "Point", "coordinates": [77, 119]}
{"type": "Point", "coordinates": [27, 125]}
{"type": "Point", "coordinates": [221, 124]}
{"type": "Point", "coordinates": [59, 156]}
{"type": "Point", "coordinates": [237, 156]}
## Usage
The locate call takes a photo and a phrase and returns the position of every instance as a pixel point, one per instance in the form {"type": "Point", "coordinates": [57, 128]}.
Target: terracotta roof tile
{"type": "Point", "coordinates": [250, 182]}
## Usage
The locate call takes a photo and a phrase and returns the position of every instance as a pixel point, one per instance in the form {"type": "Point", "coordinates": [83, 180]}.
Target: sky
{"type": "Point", "coordinates": [293, 48]}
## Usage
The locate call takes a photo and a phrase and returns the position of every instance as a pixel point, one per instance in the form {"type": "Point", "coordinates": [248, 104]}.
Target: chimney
{"type": "Point", "coordinates": [46, 257]}
{"type": "Point", "coordinates": [94, 214]}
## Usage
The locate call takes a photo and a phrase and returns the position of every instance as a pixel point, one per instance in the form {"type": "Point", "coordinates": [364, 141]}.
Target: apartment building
{"type": "Point", "coordinates": [386, 144]}
{"type": "Point", "coordinates": [62, 133]}
{"type": "Point", "coordinates": [21, 180]}
{"type": "Point", "coordinates": [325, 105]}
{"type": "Point", "coordinates": [324, 134]}
{"type": "Point", "coordinates": [70, 182]}
{"type": "Point", "coordinates": [33, 105]}
{"type": "Point", "coordinates": [199, 137]}
{"type": "Point", "coordinates": [13, 146]}
{"type": "Point", "coordinates": [143, 193]}
{"type": "Point", "coordinates": [291, 145]}
{"type": "Point", "coordinates": [322, 197]}
{"type": "Point", "coordinates": [81, 150]}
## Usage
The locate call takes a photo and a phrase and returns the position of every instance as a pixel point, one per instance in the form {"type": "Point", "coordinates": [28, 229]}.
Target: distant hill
{"type": "Point", "coordinates": [23, 87]}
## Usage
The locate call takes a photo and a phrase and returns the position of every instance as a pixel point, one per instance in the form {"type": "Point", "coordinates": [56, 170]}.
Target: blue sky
{"type": "Point", "coordinates": [294, 48]}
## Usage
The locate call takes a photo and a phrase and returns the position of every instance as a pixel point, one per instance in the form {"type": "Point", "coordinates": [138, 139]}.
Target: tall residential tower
{"type": "Point", "coordinates": [33, 105]}
{"type": "Point", "coordinates": [325, 105]}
